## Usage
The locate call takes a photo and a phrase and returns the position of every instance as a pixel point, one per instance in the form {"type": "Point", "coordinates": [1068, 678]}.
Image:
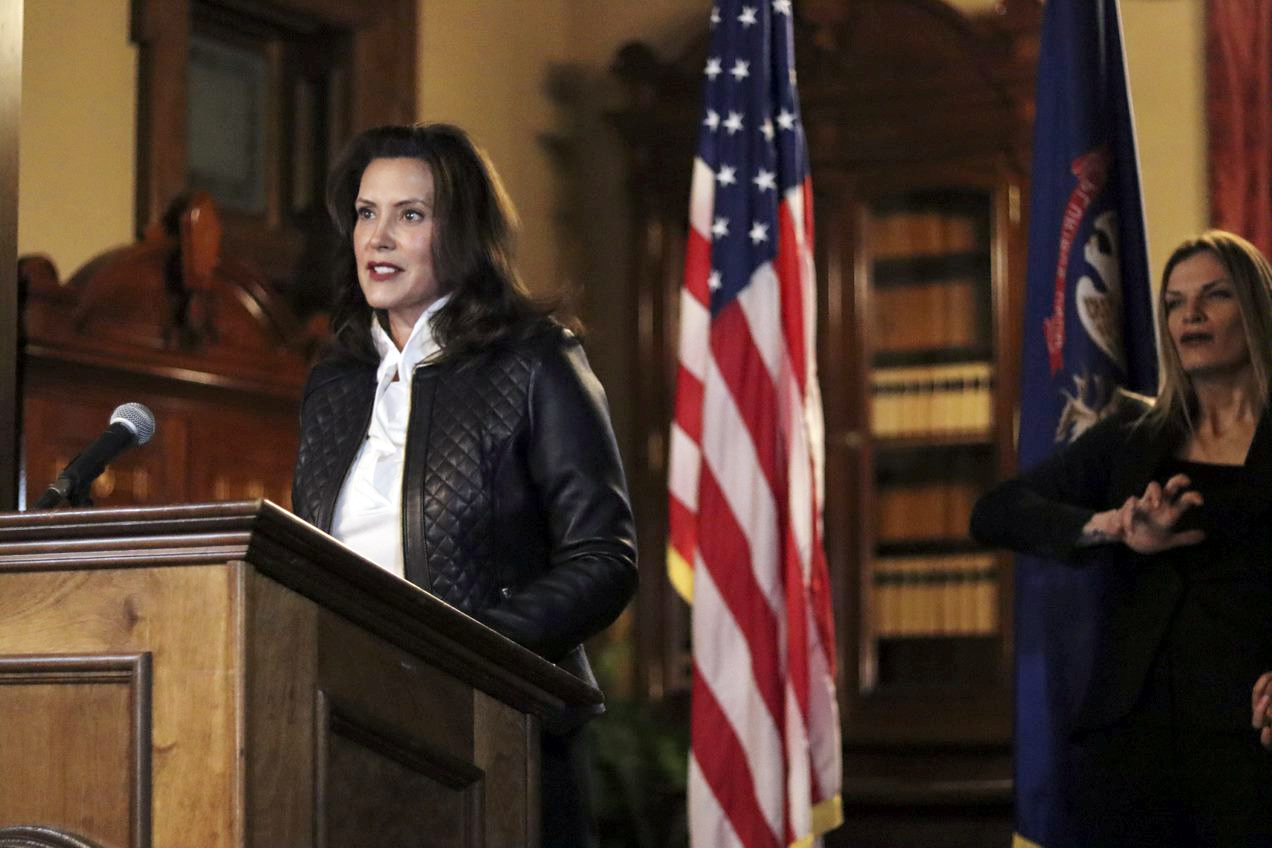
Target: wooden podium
{"type": "Point", "coordinates": [225, 675]}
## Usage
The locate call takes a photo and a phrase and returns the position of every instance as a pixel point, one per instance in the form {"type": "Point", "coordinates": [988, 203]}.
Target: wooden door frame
{"type": "Point", "coordinates": [10, 102]}
{"type": "Point", "coordinates": [382, 88]}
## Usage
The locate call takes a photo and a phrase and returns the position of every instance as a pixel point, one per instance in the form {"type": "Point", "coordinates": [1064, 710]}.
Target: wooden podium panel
{"type": "Point", "coordinates": [93, 772]}
{"type": "Point", "coordinates": [225, 675]}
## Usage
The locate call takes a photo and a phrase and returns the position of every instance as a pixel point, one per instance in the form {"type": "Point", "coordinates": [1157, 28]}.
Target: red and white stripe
{"type": "Point", "coordinates": [746, 545]}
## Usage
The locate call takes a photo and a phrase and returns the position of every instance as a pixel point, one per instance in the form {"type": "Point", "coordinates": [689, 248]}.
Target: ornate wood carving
{"type": "Point", "coordinates": [175, 323]}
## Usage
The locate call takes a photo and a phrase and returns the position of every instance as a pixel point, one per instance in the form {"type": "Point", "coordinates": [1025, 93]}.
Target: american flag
{"type": "Point", "coordinates": [746, 457]}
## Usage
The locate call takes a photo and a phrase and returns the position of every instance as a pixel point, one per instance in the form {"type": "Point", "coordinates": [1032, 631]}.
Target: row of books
{"type": "Point", "coordinates": [923, 400]}
{"type": "Point", "coordinates": [941, 595]}
{"type": "Point", "coordinates": [939, 510]}
{"type": "Point", "coordinates": [929, 232]}
{"type": "Point", "coordinates": [946, 313]}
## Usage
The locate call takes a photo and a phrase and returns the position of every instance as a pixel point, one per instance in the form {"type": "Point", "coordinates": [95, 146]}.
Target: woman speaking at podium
{"type": "Point", "coordinates": [455, 434]}
{"type": "Point", "coordinates": [1176, 499]}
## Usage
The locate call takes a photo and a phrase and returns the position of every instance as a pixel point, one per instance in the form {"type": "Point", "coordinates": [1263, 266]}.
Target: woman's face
{"type": "Point", "coordinates": [393, 241]}
{"type": "Point", "coordinates": [1204, 317]}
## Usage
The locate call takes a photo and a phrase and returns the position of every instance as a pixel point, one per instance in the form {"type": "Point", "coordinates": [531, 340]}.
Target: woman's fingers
{"type": "Point", "coordinates": [1152, 496]}
{"type": "Point", "coordinates": [1169, 514]}
{"type": "Point", "coordinates": [1127, 515]}
{"type": "Point", "coordinates": [1261, 708]}
{"type": "Point", "coordinates": [1180, 496]}
{"type": "Point", "coordinates": [1187, 537]}
{"type": "Point", "coordinates": [1189, 499]}
{"type": "Point", "coordinates": [1148, 521]}
{"type": "Point", "coordinates": [1262, 720]}
{"type": "Point", "coordinates": [1176, 485]}
{"type": "Point", "coordinates": [1163, 506]}
{"type": "Point", "coordinates": [1262, 690]}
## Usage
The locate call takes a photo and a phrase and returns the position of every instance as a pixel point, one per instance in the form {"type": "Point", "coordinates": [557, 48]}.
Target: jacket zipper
{"type": "Point", "coordinates": [414, 435]}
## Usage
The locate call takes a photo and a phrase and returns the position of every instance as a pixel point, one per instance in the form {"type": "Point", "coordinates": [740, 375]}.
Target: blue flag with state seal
{"type": "Point", "coordinates": [1088, 330]}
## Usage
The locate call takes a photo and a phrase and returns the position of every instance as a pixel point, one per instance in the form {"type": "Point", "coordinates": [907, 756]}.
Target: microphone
{"type": "Point", "coordinates": [130, 423]}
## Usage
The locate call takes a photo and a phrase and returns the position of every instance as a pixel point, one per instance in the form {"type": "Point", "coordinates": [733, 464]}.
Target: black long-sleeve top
{"type": "Point", "coordinates": [1183, 634]}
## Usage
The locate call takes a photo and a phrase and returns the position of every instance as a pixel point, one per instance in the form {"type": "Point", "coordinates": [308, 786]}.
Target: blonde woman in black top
{"type": "Point", "coordinates": [1174, 499]}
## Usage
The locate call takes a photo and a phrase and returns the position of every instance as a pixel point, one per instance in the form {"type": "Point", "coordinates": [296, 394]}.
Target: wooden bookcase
{"type": "Point", "coordinates": [922, 274]}
{"type": "Point", "coordinates": [932, 612]}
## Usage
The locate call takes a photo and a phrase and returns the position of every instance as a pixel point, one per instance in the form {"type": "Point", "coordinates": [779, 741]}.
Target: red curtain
{"type": "Point", "coordinates": [1239, 117]}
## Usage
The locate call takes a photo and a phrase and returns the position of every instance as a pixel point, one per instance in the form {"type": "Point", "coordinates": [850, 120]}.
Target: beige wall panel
{"type": "Point", "coordinates": [78, 130]}
{"type": "Point", "coordinates": [1165, 55]}
{"type": "Point", "coordinates": [483, 66]}
{"type": "Point", "coordinates": [599, 29]}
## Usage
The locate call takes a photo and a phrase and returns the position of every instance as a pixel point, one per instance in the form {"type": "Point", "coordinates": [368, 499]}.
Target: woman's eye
{"type": "Point", "coordinates": [1171, 304]}
{"type": "Point", "coordinates": [364, 212]}
{"type": "Point", "coordinates": [1219, 294]}
{"type": "Point", "coordinates": [413, 215]}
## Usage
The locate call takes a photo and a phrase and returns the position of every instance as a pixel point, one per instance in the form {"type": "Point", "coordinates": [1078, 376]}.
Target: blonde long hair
{"type": "Point", "coordinates": [1251, 278]}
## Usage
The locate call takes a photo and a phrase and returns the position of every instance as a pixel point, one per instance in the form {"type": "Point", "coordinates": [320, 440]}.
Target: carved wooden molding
{"type": "Point", "coordinates": [209, 319]}
{"type": "Point", "coordinates": [130, 670]}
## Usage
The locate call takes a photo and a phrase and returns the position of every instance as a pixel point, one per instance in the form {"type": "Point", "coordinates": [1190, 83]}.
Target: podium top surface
{"type": "Point", "coordinates": [305, 560]}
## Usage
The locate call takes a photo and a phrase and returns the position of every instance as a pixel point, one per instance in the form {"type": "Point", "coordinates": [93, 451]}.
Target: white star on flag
{"type": "Point", "coordinates": [767, 129]}
{"type": "Point", "coordinates": [733, 123]}
{"type": "Point", "coordinates": [727, 175]}
{"type": "Point", "coordinates": [713, 68]}
{"type": "Point", "coordinates": [782, 7]}
{"type": "Point", "coordinates": [759, 232]}
{"type": "Point", "coordinates": [786, 120]}
{"type": "Point", "coordinates": [713, 280]}
{"type": "Point", "coordinates": [720, 227]}
{"type": "Point", "coordinates": [765, 180]}
{"type": "Point", "coordinates": [741, 70]}
{"type": "Point", "coordinates": [712, 121]}
{"type": "Point", "coordinates": [747, 18]}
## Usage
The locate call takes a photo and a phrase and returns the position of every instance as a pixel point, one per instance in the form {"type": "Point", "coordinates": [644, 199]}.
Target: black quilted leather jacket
{"type": "Point", "coordinates": [514, 503]}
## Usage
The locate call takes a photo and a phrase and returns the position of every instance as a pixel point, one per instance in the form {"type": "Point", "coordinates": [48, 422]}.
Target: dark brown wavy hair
{"type": "Point", "coordinates": [472, 244]}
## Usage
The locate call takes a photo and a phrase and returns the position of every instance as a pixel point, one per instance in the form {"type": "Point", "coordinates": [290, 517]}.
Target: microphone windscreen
{"type": "Point", "coordinates": [136, 417]}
